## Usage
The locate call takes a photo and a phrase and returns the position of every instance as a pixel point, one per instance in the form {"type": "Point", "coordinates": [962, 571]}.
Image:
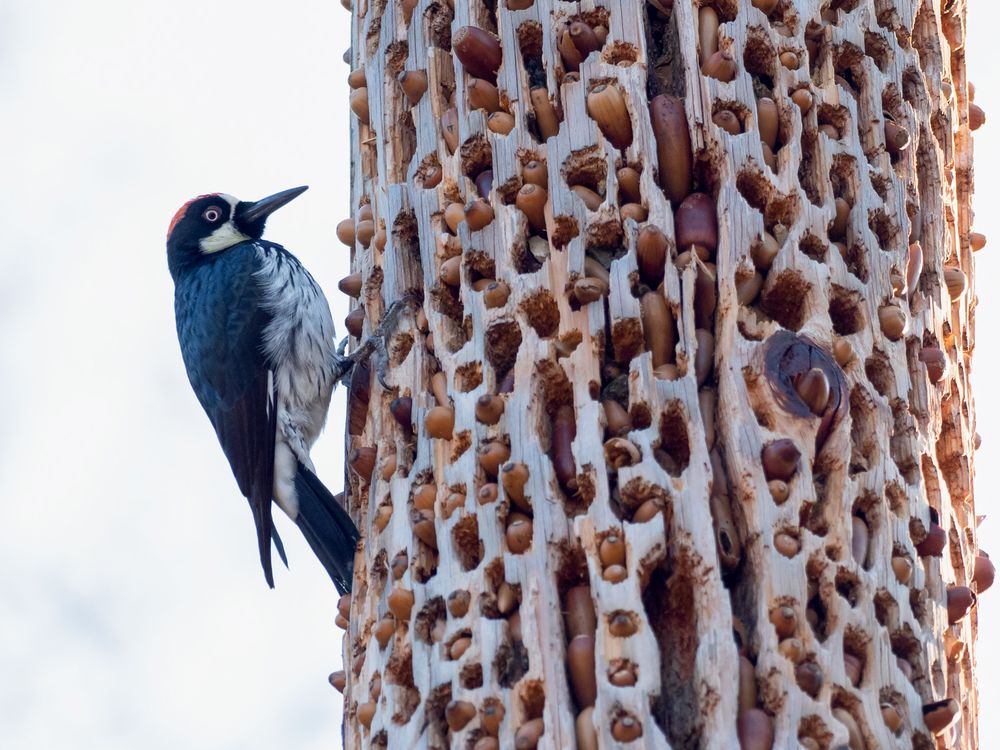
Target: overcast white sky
{"type": "Point", "coordinates": [132, 610]}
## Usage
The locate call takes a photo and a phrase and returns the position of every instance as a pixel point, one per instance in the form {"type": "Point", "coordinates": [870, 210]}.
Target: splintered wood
{"type": "Point", "coordinates": [677, 451]}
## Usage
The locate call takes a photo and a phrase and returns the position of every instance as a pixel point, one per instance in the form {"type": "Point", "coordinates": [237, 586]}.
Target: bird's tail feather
{"type": "Point", "coordinates": [326, 526]}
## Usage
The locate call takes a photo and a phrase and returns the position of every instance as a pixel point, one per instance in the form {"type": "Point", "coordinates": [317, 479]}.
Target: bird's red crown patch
{"type": "Point", "coordinates": [183, 210]}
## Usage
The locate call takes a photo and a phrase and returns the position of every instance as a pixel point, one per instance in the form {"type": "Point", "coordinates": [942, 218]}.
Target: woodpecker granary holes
{"type": "Point", "coordinates": [673, 449]}
{"type": "Point", "coordinates": [846, 310]}
{"type": "Point", "coordinates": [864, 440]}
{"type": "Point", "coordinates": [468, 546]}
{"type": "Point", "coordinates": [808, 175]}
{"type": "Point", "coordinates": [542, 312]}
{"type": "Point", "coordinates": [588, 168]}
{"type": "Point", "coordinates": [476, 155]}
{"type": "Point", "coordinates": [879, 372]}
{"type": "Point", "coordinates": [438, 18]}
{"type": "Point", "coordinates": [785, 298]}
{"type": "Point", "coordinates": [503, 339]}
{"type": "Point", "coordinates": [759, 57]}
{"type": "Point", "coordinates": [884, 228]}
{"type": "Point", "coordinates": [813, 247]}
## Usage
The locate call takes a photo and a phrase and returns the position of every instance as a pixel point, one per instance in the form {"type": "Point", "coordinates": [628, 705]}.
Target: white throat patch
{"type": "Point", "coordinates": [226, 235]}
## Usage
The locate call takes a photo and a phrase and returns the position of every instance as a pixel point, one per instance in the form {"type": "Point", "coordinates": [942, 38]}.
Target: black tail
{"type": "Point", "coordinates": [326, 526]}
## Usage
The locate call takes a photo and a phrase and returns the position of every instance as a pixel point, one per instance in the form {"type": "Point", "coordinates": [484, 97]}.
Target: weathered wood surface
{"type": "Point", "coordinates": [899, 447]}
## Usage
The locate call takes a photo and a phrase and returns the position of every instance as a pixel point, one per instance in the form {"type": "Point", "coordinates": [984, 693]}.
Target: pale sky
{"type": "Point", "coordinates": [133, 613]}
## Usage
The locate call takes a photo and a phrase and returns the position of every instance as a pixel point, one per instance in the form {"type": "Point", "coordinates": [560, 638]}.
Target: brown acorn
{"type": "Point", "coordinates": [673, 146]}
{"type": "Point", "coordinates": [936, 362]}
{"type": "Point", "coordinates": [528, 734]}
{"type": "Point", "coordinates": [400, 602]}
{"type": "Point", "coordinates": [535, 173]}
{"type": "Point", "coordinates": [606, 105]}
{"type": "Point", "coordinates": [892, 321]}
{"type": "Point", "coordinates": [859, 540]}
{"type": "Point", "coordinates": [960, 600]}
{"type": "Point", "coordinates": [459, 713]}
{"type": "Point", "coordinates": [696, 225]}
{"type": "Point", "coordinates": [755, 729]}
{"type": "Point", "coordinates": [977, 116]}
{"type": "Point", "coordinates": [983, 572]}
{"type": "Point", "coordinates": [479, 52]}
{"type": "Point", "coordinates": [708, 32]}
{"type": "Point", "coordinates": [449, 128]}
{"type": "Point", "coordinates": [780, 459]}
{"type": "Point", "coordinates": [546, 118]}
{"type": "Point", "coordinates": [728, 121]}
{"type": "Point", "coordinates": [338, 680]}
{"type": "Point", "coordinates": [581, 618]}
{"type": "Point", "coordinates": [531, 200]}
{"type": "Point", "coordinates": [581, 663]}
{"type": "Point", "coordinates": [934, 543]}
{"type": "Point", "coordinates": [896, 138]}
{"type": "Point", "coordinates": [626, 729]}
{"type": "Point", "coordinates": [500, 122]}
{"type": "Point", "coordinates": [628, 185]}
{"type": "Point", "coordinates": [414, 84]}
{"type": "Point", "coordinates": [940, 715]}
{"type": "Point", "coordinates": [813, 388]}
{"type": "Point", "coordinates": [721, 66]}
{"type": "Point", "coordinates": [362, 460]}
{"type": "Point", "coordinates": [482, 94]}
{"type": "Point", "coordinates": [359, 104]}
{"type": "Point", "coordinates": [954, 279]}
{"type": "Point", "coordinates": [768, 121]}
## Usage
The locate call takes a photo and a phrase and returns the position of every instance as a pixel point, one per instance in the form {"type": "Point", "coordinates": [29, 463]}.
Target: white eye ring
{"type": "Point", "coordinates": [212, 213]}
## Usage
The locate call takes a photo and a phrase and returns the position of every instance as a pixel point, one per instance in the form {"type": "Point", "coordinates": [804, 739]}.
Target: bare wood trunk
{"type": "Point", "coordinates": [739, 541]}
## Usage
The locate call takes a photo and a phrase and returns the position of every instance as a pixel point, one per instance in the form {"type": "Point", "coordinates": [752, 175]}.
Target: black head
{"type": "Point", "coordinates": [215, 222]}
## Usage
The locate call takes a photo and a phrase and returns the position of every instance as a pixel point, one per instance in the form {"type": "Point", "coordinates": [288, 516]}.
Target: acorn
{"type": "Point", "coordinates": [535, 173]}
{"type": "Point", "coordinates": [803, 99]}
{"type": "Point", "coordinates": [492, 717]}
{"type": "Point", "coordinates": [365, 712]}
{"type": "Point", "coordinates": [940, 715]}
{"type": "Point", "coordinates": [696, 226]}
{"type": "Point", "coordinates": [359, 104]}
{"type": "Point", "coordinates": [519, 533]}
{"type": "Point", "coordinates": [458, 648]}
{"type": "Point", "coordinates": [891, 716]}
{"type": "Point", "coordinates": [362, 460]}
{"type": "Point", "coordinates": [414, 84]}
{"type": "Point", "coordinates": [673, 146]}
{"type": "Point", "coordinates": [400, 602]}
{"type": "Point", "coordinates": [581, 618]}
{"type": "Point", "coordinates": [606, 105]}
{"type": "Point", "coordinates": [338, 680]}
{"type": "Point", "coordinates": [983, 572]}
{"type": "Point", "coordinates": [621, 625]}
{"type": "Point", "coordinates": [708, 32]}
{"type": "Point", "coordinates": [479, 52]}
{"type": "Point", "coordinates": [809, 677]}
{"type": "Point", "coordinates": [422, 522]}
{"type": "Point", "coordinates": [345, 232]}
{"type": "Point", "coordinates": [977, 116]}
{"type": "Point", "coordinates": [768, 121]}
{"type": "Point", "coordinates": [439, 422]}
{"type": "Point", "coordinates": [500, 122]}
{"type": "Point", "coordinates": [747, 694]}
{"type": "Point", "coordinates": [626, 729]}
{"type": "Point", "coordinates": [934, 543]}
{"type": "Point", "coordinates": [449, 128]}
{"type": "Point", "coordinates": [531, 200]}
{"type": "Point", "coordinates": [789, 59]}
{"type": "Point", "coordinates": [628, 185]}
{"type": "Point", "coordinates": [546, 118]}
{"type": "Point", "coordinates": [364, 231]}
{"type": "Point", "coordinates": [813, 388]}
{"type": "Point", "coordinates": [854, 668]}
{"type": "Point", "coordinates": [977, 241]}
{"type": "Point", "coordinates": [755, 729]}
{"type": "Point", "coordinates": [721, 66]}
{"type": "Point", "coordinates": [855, 739]}
{"type": "Point", "coordinates": [780, 459]}
{"type": "Point", "coordinates": [591, 199]}
{"type": "Point", "coordinates": [954, 279]}
{"type": "Point", "coordinates": [897, 139]}
{"type": "Point", "coordinates": [902, 568]}
{"type": "Point", "coordinates": [936, 362]}
{"type": "Point", "coordinates": [648, 511]}
{"type": "Point", "coordinates": [458, 714]}
{"type": "Point", "coordinates": [489, 409]}
{"type": "Point", "coordinates": [513, 477]}
{"type": "Point", "coordinates": [634, 211]}
{"type": "Point", "coordinates": [450, 271]}
{"type": "Point", "coordinates": [785, 621]}
{"type": "Point", "coordinates": [779, 490]}
{"type": "Point", "coordinates": [960, 600]}
{"type": "Point", "coordinates": [838, 227]}
{"type": "Point", "coordinates": [786, 544]}
{"type": "Point", "coordinates": [458, 602]}
{"type": "Point", "coordinates": [764, 251]}
{"type": "Point", "coordinates": [384, 630]}
{"type": "Point", "coordinates": [580, 660]}
{"type": "Point", "coordinates": [482, 94]}
{"type": "Point", "coordinates": [492, 456]}
{"type": "Point", "coordinates": [528, 734]}
{"type": "Point", "coordinates": [892, 320]}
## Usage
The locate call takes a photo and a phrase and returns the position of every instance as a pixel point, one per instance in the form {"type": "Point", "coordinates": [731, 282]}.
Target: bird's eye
{"type": "Point", "coordinates": [212, 214]}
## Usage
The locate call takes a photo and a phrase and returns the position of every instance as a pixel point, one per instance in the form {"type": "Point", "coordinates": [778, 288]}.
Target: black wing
{"type": "Point", "coordinates": [220, 324]}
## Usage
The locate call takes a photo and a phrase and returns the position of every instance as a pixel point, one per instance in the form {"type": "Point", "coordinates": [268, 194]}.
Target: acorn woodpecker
{"type": "Point", "coordinates": [258, 343]}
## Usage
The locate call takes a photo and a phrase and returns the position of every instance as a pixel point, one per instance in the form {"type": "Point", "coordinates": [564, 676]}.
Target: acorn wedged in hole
{"type": "Point", "coordinates": [960, 600]}
{"type": "Point", "coordinates": [482, 94]}
{"type": "Point", "coordinates": [780, 459]}
{"type": "Point", "coordinates": [479, 52]}
{"type": "Point", "coordinates": [721, 66]}
{"type": "Point", "coordinates": [755, 729]}
{"type": "Point", "coordinates": [813, 388]}
{"type": "Point", "coordinates": [581, 663]}
{"type": "Point", "coordinates": [673, 146]}
{"type": "Point", "coordinates": [696, 224]}
{"type": "Point", "coordinates": [936, 362]}
{"type": "Point", "coordinates": [940, 715]}
{"type": "Point", "coordinates": [606, 106]}
{"type": "Point", "coordinates": [934, 543]}
{"type": "Point", "coordinates": [983, 572]}
{"type": "Point", "coordinates": [531, 200]}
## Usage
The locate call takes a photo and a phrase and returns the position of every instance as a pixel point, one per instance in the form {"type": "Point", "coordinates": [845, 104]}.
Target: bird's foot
{"type": "Point", "coordinates": [375, 343]}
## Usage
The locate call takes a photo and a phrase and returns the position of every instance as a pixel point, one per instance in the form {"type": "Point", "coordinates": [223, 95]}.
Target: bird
{"type": "Point", "coordinates": [258, 343]}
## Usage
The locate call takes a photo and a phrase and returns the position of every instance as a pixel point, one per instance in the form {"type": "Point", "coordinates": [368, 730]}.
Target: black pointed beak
{"type": "Point", "coordinates": [249, 214]}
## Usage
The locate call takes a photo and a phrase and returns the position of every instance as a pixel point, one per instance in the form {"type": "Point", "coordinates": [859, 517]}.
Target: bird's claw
{"type": "Point", "coordinates": [376, 341]}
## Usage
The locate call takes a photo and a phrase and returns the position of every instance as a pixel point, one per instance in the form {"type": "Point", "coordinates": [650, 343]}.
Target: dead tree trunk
{"type": "Point", "coordinates": [677, 451]}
